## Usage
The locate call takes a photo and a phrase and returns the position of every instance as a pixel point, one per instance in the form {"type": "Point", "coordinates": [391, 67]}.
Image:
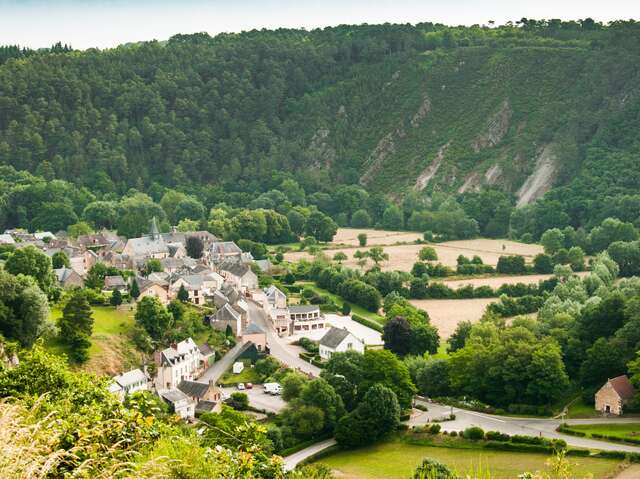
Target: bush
{"type": "Point", "coordinates": [473, 433]}
{"type": "Point", "coordinates": [367, 322]}
{"type": "Point", "coordinates": [434, 429]}
{"type": "Point", "coordinates": [239, 401]}
{"type": "Point", "coordinates": [496, 436]}
{"type": "Point", "coordinates": [453, 434]}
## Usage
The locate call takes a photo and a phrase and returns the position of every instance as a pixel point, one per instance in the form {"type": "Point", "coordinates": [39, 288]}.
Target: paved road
{"type": "Point", "coordinates": [259, 399]}
{"type": "Point", "coordinates": [290, 462]}
{"type": "Point", "coordinates": [510, 425]}
{"type": "Point", "coordinates": [216, 371]}
{"type": "Point", "coordinates": [278, 347]}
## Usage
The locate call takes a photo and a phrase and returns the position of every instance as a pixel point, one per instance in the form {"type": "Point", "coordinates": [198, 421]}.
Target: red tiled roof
{"type": "Point", "coordinates": [623, 387]}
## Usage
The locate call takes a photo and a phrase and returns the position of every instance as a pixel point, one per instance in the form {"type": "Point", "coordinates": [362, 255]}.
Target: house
{"type": "Point", "coordinates": [129, 383]}
{"type": "Point", "coordinates": [275, 305]}
{"type": "Point", "coordinates": [255, 334]}
{"type": "Point", "coordinates": [264, 265]}
{"type": "Point", "coordinates": [175, 265]}
{"type": "Point", "coordinates": [177, 363]}
{"type": "Point", "coordinates": [228, 316]}
{"type": "Point", "coordinates": [99, 241]}
{"type": "Point", "coordinates": [224, 250]}
{"type": "Point", "coordinates": [177, 250]}
{"type": "Point", "coordinates": [6, 238]}
{"type": "Point", "coordinates": [239, 275]}
{"type": "Point", "coordinates": [150, 246]}
{"type": "Point", "coordinates": [111, 283]}
{"type": "Point", "coordinates": [207, 356]}
{"type": "Point", "coordinates": [45, 236]}
{"type": "Point", "coordinates": [337, 340]}
{"type": "Point", "coordinates": [199, 286]}
{"type": "Point", "coordinates": [68, 278]}
{"type": "Point", "coordinates": [81, 262]}
{"type": "Point", "coordinates": [305, 317]}
{"type": "Point", "coordinates": [198, 392]}
{"type": "Point", "coordinates": [614, 395]}
{"type": "Point", "coordinates": [156, 288]}
{"type": "Point", "coordinates": [181, 404]}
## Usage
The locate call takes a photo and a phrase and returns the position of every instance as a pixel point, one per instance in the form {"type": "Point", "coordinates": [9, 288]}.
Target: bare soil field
{"type": "Point", "coordinates": [445, 314]}
{"type": "Point", "coordinates": [349, 236]}
{"type": "Point", "coordinates": [497, 281]}
{"type": "Point", "coordinates": [402, 257]}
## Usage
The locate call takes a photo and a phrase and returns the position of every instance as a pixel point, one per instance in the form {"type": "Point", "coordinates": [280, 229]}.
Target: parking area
{"type": "Point", "coordinates": [258, 398]}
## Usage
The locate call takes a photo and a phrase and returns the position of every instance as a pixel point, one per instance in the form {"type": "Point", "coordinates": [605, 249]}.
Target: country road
{"type": "Point", "coordinates": [511, 425]}
{"type": "Point", "coordinates": [290, 462]}
{"type": "Point", "coordinates": [278, 347]}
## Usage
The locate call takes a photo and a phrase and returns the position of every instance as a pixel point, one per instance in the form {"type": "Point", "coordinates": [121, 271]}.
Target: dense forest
{"type": "Point", "coordinates": [359, 118]}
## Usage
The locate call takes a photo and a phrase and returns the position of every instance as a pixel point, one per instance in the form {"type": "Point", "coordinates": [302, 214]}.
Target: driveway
{"type": "Point", "coordinates": [278, 347]}
{"type": "Point", "coordinates": [259, 399]}
{"type": "Point", "coordinates": [221, 366]}
{"type": "Point", "coordinates": [510, 425]}
{"type": "Point", "coordinates": [290, 462]}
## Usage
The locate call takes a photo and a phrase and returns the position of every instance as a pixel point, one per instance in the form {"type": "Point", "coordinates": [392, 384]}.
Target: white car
{"type": "Point", "coordinates": [241, 387]}
{"type": "Point", "coordinates": [272, 388]}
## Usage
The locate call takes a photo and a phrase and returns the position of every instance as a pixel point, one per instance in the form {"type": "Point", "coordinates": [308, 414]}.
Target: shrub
{"type": "Point", "coordinates": [367, 322]}
{"type": "Point", "coordinates": [474, 433]}
{"type": "Point", "coordinates": [434, 429]}
{"type": "Point", "coordinates": [453, 434]}
{"type": "Point", "coordinates": [496, 436]}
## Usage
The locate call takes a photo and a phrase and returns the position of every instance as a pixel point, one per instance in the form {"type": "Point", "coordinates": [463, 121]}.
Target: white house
{"type": "Point", "coordinates": [181, 404]}
{"type": "Point", "coordinates": [129, 383]}
{"type": "Point", "coordinates": [150, 246]}
{"type": "Point", "coordinates": [338, 340]}
{"type": "Point", "coordinates": [180, 362]}
{"type": "Point", "coordinates": [305, 317]}
{"type": "Point", "coordinates": [199, 286]}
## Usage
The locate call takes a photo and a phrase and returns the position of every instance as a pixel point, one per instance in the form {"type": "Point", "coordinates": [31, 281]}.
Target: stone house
{"type": "Point", "coordinates": [68, 278]}
{"type": "Point", "coordinates": [614, 395]}
{"type": "Point", "coordinates": [199, 392]}
{"type": "Point", "coordinates": [154, 288]}
{"type": "Point", "coordinates": [256, 335]}
{"type": "Point", "coordinates": [239, 275]}
{"type": "Point", "coordinates": [181, 404]}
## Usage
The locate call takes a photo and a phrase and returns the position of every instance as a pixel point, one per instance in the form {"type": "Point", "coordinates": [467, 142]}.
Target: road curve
{"type": "Point", "coordinates": [290, 462]}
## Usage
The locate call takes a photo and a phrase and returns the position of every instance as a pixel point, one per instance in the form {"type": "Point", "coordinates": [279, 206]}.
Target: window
{"type": "Point", "coordinates": [349, 345]}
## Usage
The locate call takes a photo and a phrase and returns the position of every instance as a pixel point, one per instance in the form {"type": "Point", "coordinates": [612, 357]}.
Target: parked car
{"type": "Point", "coordinates": [241, 387]}
{"type": "Point", "coordinates": [248, 386]}
{"type": "Point", "coordinates": [272, 388]}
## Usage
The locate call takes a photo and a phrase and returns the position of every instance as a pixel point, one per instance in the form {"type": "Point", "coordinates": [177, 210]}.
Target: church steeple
{"type": "Point", "coordinates": [155, 233]}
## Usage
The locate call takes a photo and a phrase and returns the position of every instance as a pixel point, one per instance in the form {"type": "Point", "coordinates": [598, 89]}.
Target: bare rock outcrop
{"type": "Point", "coordinates": [320, 152]}
{"type": "Point", "coordinates": [496, 129]}
{"type": "Point", "coordinates": [430, 171]}
{"type": "Point", "coordinates": [542, 178]}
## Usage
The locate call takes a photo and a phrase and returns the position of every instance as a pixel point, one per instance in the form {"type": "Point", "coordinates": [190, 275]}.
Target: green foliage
{"type": "Point", "coordinates": [30, 261]}
{"type": "Point", "coordinates": [76, 326]}
{"type": "Point", "coordinates": [116, 298]}
{"type": "Point", "coordinates": [153, 317]}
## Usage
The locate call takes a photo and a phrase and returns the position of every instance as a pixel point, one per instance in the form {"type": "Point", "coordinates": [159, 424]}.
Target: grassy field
{"type": "Point", "coordinates": [248, 375]}
{"type": "Point", "coordinates": [111, 351]}
{"type": "Point", "coordinates": [445, 314]}
{"type": "Point", "coordinates": [622, 431]}
{"type": "Point", "coordinates": [355, 309]}
{"type": "Point", "coordinates": [396, 460]}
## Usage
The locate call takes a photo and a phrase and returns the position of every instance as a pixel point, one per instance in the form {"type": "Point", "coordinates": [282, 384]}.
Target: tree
{"type": "Point", "coordinates": [195, 247]}
{"type": "Point", "coordinates": [362, 239]}
{"type": "Point", "coordinates": [428, 254]}
{"type": "Point", "coordinates": [320, 226]}
{"type": "Point", "coordinates": [377, 415]}
{"type": "Point", "coordinates": [59, 259]}
{"type": "Point", "coordinates": [459, 337]}
{"type": "Point", "coordinates": [76, 326]}
{"type": "Point", "coordinates": [152, 265]}
{"type": "Point", "coordinates": [296, 222]}
{"type": "Point", "coordinates": [116, 298]}
{"type": "Point", "coordinates": [319, 393]}
{"type": "Point", "coordinates": [134, 289]}
{"type": "Point", "coordinates": [24, 310]}
{"type": "Point", "coordinates": [392, 218]}
{"type": "Point", "coordinates": [397, 336]}
{"type": "Point", "coordinates": [542, 264]}
{"type": "Point", "coordinates": [377, 255]}
{"type": "Point", "coordinates": [188, 208]}
{"type": "Point", "coordinates": [153, 317]}
{"type": "Point", "coordinates": [346, 309]}
{"type": "Point", "coordinates": [134, 215]}
{"type": "Point", "coordinates": [183, 294]}
{"type": "Point", "coordinates": [552, 240]}
{"type": "Point", "coordinates": [361, 219]}
{"type": "Point", "coordinates": [32, 262]}
{"type": "Point", "coordinates": [292, 385]}
{"type": "Point", "coordinates": [100, 214]}
{"type": "Point", "coordinates": [267, 366]}
{"type": "Point", "coordinates": [433, 378]}
{"type": "Point", "coordinates": [339, 257]}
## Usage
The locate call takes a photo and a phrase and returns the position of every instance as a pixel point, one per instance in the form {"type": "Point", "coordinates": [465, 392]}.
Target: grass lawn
{"type": "Point", "coordinates": [248, 375]}
{"type": "Point", "coordinates": [111, 351]}
{"type": "Point", "coordinates": [623, 431]}
{"type": "Point", "coordinates": [397, 460]}
{"type": "Point", "coordinates": [579, 410]}
{"type": "Point", "coordinates": [355, 309]}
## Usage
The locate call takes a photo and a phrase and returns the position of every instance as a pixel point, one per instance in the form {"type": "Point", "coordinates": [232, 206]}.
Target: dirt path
{"type": "Point", "coordinates": [631, 472]}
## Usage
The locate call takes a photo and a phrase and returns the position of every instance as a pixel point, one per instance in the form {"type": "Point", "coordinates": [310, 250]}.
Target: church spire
{"type": "Point", "coordinates": [155, 233]}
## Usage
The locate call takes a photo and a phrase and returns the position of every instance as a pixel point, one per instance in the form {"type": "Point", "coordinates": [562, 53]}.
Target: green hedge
{"type": "Point", "coordinates": [367, 322]}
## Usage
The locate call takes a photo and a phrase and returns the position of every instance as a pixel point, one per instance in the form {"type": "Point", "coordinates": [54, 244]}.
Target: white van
{"type": "Point", "coordinates": [272, 388]}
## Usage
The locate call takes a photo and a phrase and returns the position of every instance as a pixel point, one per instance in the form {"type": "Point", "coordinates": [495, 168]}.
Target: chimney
{"type": "Point", "coordinates": [212, 383]}
{"type": "Point", "coordinates": [174, 346]}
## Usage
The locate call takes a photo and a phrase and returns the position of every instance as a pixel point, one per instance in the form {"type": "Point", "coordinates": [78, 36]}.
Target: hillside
{"type": "Point", "coordinates": [393, 108]}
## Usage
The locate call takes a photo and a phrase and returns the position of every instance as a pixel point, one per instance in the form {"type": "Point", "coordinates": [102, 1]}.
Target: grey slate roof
{"type": "Point", "coordinates": [253, 328]}
{"type": "Point", "coordinates": [114, 281]}
{"type": "Point", "coordinates": [227, 313]}
{"type": "Point", "coordinates": [225, 248]}
{"type": "Point", "coordinates": [205, 349]}
{"type": "Point", "coordinates": [334, 337]}
{"type": "Point", "coordinates": [235, 268]}
{"type": "Point", "coordinates": [264, 265]}
{"type": "Point", "coordinates": [130, 377]}
{"type": "Point", "coordinates": [62, 274]}
{"type": "Point", "coordinates": [193, 389]}
{"type": "Point", "coordinates": [147, 246]}
{"type": "Point", "coordinates": [206, 406]}
{"type": "Point", "coordinates": [219, 299]}
{"type": "Point", "coordinates": [173, 395]}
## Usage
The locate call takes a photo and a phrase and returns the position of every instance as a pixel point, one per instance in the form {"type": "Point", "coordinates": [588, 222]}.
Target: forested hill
{"type": "Point", "coordinates": [392, 107]}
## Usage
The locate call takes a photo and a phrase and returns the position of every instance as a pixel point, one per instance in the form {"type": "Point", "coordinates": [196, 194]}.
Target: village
{"type": "Point", "coordinates": [222, 279]}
